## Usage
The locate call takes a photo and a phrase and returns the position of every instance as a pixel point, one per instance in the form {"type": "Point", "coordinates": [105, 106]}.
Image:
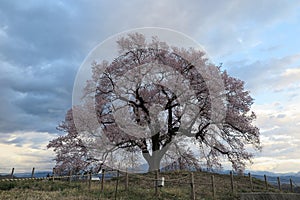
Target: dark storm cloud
{"type": "Point", "coordinates": [35, 97]}
{"type": "Point", "coordinates": [38, 62]}
{"type": "Point", "coordinates": [42, 44]}
{"type": "Point", "coordinates": [36, 32]}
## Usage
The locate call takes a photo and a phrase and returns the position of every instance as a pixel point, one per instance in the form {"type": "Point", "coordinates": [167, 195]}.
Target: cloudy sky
{"type": "Point", "coordinates": [43, 43]}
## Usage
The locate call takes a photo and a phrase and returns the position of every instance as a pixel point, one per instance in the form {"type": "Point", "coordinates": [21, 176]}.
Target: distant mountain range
{"type": "Point", "coordinates": [267, 173]}
{"type": "Point", "coordinates": [43, 174]}
{"type": "Point", "coordinates": [40, 174]}
{"type": "Point", "coordinates": [272, 177]}
{"type": "Point", "coordinates": [283, 179]}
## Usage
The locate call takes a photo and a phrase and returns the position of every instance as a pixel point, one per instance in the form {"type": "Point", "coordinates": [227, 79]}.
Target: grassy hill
{"type": "Point", "coordinates": [141, 186]}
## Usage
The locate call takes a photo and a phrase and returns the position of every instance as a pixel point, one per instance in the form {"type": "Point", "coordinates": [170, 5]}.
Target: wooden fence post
{"type": "Point", "coordinates": [291, 184]}
{"type": "Point", "coordinates": [213, 186]}
{"type": "Point", "coordinates": [117, 183]}
{"type": "Point", "coordinates": [126, 180]}
{"type": "Point", "coordinates": [70, 176]}
{"type": "Point", "coordinates": [102, 179]}
{"type": "Point", "coordinates": [266, 182]}
{"type": "Point", "coordinates": [86, 178]}
{"type": "Point", "coordinates": [250, 179]}
{"type": "Point", "coordinates": [231, 182]}
{"type": "Point", "coordinates": [32, 173]}
{"type": "Point", "coordinates": [59, 174]}
{"type": "Point", "coordinates": [53, 173]}
{"type": "Point", "coordinates": [12, 173]}
{"type": "Point", "coordinates": [156, 182]}
{"type": "Point", "coordinates": [193, 197]}
{"type": "Point", "coordinates": [90, 179]}
{"type": "Point", "coordinates": [279, 185]}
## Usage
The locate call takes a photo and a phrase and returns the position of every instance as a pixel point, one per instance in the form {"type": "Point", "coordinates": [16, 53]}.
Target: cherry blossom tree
{"type": "Point", "coordinates": [152, 95]}
{"type": "Point", "coordinates": [81, 149]}
{"type": "Point", "coordinates": [71, 153]}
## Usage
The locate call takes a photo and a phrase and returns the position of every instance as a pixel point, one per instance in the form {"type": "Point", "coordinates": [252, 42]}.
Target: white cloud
{"type": "Point", "coordinates": [267, 76]}
{"type": "Point", "coordinates": [280, 138]}
{"type": "Point", "coordinates": [24, 150]}
{"type": "Point", "coordinates": [289, 79]}
{"type": "Point", "coordinates": [275, 165]}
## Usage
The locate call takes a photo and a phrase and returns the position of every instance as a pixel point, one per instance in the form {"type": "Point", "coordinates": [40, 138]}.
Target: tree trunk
{"type": "Point", "coordinates": [153, 160]}
{"type": "Point", "coordinates": [153, 164]}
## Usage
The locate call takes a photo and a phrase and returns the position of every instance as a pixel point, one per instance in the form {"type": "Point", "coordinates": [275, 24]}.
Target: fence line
{"type": "Point", "coordinates": [186, 179]}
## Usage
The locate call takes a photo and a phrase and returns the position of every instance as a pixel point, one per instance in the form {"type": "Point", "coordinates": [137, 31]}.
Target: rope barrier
{"type": "Point", "coordinates": [166, 180]}
{"type": "Point", "coordinates": [178, 179]}
{"type": "Point", "coordinates": [44, 178]}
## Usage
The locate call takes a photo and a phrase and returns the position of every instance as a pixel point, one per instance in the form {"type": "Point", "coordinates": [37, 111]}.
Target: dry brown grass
{"type": "Point", "coordinates": [177, 186]}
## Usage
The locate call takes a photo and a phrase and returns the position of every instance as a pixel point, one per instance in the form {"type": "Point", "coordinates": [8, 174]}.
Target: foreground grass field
{"type": "Point", "coordinates": [177, 186]}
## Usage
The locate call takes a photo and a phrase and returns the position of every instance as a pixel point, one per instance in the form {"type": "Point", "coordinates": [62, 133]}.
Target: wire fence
{"type": "Point", "coordinates": [198, 185]}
